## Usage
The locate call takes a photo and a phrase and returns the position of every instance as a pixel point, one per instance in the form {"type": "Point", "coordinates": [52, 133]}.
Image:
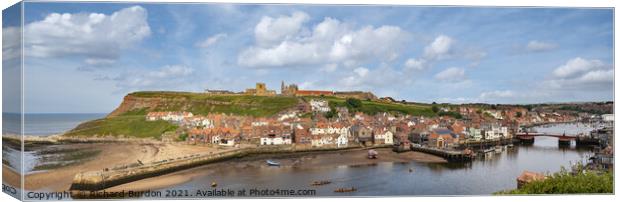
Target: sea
{"type": "Point", "coordinates": [37, 124]}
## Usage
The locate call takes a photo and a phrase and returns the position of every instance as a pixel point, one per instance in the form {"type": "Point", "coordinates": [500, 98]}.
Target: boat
{"type": "Point", "coordinates": [213, 184]}
{"type": "Point", "coordinates": [372, 154]}
{"type": "Point", "coordinates": [342, 190]}
{"type": "Point", "coordinates": [498, 149]}
{"type": "Point", "coordinates": [511, 145]}
{"type": "Point", "coordinates": [322, 182]}
{"type": "Point", "coordinates": [487, 150]}
{"type": "Point", "coordinates": [272, 163]}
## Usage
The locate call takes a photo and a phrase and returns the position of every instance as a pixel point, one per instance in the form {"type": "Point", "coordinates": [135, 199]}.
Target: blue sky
{"type": "Point", "coordinates": [84, 57]}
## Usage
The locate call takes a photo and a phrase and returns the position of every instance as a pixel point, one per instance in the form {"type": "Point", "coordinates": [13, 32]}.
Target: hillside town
{"type": "Point", "coordinates": [307, 125]}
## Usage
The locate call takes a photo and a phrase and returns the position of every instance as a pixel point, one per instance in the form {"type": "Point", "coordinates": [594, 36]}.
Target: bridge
{"type": "Point", "coordinates": [529, 137]}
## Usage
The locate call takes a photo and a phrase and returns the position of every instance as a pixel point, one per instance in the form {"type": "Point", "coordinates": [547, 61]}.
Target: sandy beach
{"type": "Point", "coordinates": [111, 154]}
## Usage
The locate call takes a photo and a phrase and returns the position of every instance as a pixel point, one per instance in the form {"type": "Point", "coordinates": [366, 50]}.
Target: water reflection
{"type": "Point", "coordinates": [485, 175]}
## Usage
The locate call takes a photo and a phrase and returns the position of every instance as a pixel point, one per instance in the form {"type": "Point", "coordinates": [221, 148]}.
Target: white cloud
{"type": "Point", "coordinates": [167, 77]}
{"type": "Point", "coordinates": [577, 77]}
{"type": "Point", "coordinates": [329, 67]}
{"type": "Point", "coordinates": [211, 40]}
{"type": "Point", "coordinates": [576, 67]}
{"type": "Point", "coordinates": [452, 74]}
{"type": "Point", "coordinates": [362, 78]}
{"type": "Point", "coordinates": [99, 61]}
{"type": "Point", "coordinates": [415, 64]}
{"type": "Point", "coordinates": [597, 76]}
{"type": "Point", "coordinates": [538, 46]}
{"type": "Point", "coordinates": [92, 35]}
{"type": "Point", "coordinates": [498, 94]}
{"type": "Point", "coordinates": [361, 71]}
{"type": "Point", "coordinates": [329, 42]}
{"type": "Point", "coordinates": [270, 31]}
{"type": "Point", "coordinates": [11, 43]}
{"type": "Point", "coordinates": [439, 49]}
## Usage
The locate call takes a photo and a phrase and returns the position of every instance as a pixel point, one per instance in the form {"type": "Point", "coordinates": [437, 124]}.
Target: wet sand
{"type": "Point", "coordinates": [10, 177]}
{"type": "Point", "coordinates": [111, 154]}
{"type": "Point", "coordinates": [126, 153]}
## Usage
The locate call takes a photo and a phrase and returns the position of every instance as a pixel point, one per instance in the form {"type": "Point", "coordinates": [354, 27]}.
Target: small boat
{"type": "Point", "coordinates": [498, 149]}
{"type": "Point", "coordinates": [213, 184]}
{"type": "Point", "coordinates": [410, 170]}
{"type": "Point", "coordinates": [342, 190]}
{"type": "Point", "coordinates": [487, 150]}
{"type": "Point", "coordinates": [272, 163]}
{"type": "Point", "coordinates": [372, 154]}
{"type": "Point", "coordinates": [511, 145]}
{"type": "Point", "coordinates": [322, 182]}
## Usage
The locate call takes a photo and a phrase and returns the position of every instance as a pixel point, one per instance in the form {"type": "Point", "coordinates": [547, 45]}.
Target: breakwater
{"type": "Point", "coordinates": [446, 154]}
{"type": "Point", "coordinates": [486, 143]}
{"type": "Point", "coordinates": [106, 178]}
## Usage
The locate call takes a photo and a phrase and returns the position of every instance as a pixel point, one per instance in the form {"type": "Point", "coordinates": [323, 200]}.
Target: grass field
{"type": "Point", "coordinates": [128, 126]}
{"type": "Point", "coordinates": [374, 107]}
{"type": "Point", "coordinates": [203, 104]}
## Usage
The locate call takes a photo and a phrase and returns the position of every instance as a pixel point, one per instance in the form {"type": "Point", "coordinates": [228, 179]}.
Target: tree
{"type": "Point", "coordinates": [519, 114]}
{"type": "Point", "coordinates": [435, 109]}
{"type": "Point", "coordinates": [354, 103]}
{"type": "Point", "coordinates": [330, 114]}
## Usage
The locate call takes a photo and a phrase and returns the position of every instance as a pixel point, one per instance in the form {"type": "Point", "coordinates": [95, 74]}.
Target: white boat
{"type": "Point", "coordinates": [272, 163]}
{"type": "Point", "coordinates": [498, 149]}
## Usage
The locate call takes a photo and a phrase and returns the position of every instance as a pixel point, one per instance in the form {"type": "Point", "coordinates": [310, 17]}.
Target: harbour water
{"type": "Point", "coordinates": [483, 176]}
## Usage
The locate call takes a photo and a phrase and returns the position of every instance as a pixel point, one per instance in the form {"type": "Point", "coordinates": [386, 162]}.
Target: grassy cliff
{"type": "Point", "coordinates": [140, 103]}
{"type": "Point", "coordinates": [129, 118]}
{"type": "Point", "coordinates": [127, 126]}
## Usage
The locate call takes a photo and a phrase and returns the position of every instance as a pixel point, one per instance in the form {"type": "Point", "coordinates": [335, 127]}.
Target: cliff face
{"type": "Point", "coordinates": [132, 103]}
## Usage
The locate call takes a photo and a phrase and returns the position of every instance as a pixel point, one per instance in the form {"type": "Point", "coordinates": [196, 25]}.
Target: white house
{"type": "Point", "coordinates": [259, 123]}
{"type": "Point", "coordinates": [289, 115]}
{"type": "Point", "coordinates": [199, 121]}
{"type": "Point", "coordinates": [215, 139]}
{"type": "Point", "coordinates": [474, 133]}
{"type": "Point", "coordinates": [322, 140]}
{"type": "Point", "coordinates": [227, 142]}
{"type": "Point", "coordinates": [275, 140]}
{"type": "Point", "coordinates": [384, 136]}
{"type": "Point", "coordinates": [608, 117]}
{"type": "Point", "coordinates": [496, 132]}
{"type": "Point", "coordinates": [319, 105]}
{"type": "Point", "coordinates": [342, 141]}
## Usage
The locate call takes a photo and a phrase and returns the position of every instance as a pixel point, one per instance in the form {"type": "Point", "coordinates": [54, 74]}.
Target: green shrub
{"type": "Point", "coordinates": [567, 183]}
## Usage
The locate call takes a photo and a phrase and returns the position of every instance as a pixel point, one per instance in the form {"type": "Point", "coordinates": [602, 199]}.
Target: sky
{"type": "Point", "coordinates": [84, 57]}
